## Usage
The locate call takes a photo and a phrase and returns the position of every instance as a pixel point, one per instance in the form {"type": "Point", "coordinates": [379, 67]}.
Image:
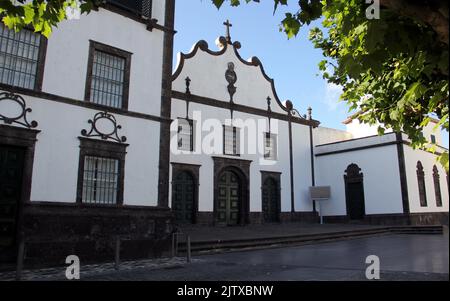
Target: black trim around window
{"type": "Point", "coordinates": [105, 149]}
{"type": "Point", "coordinates": [96, 46]}
{"type": "Point", "coordinates": [191, 125]}
{"type": "Point", "coordinates": [236, 141]}
{"type": "Point", "coordinates": [39, 77]}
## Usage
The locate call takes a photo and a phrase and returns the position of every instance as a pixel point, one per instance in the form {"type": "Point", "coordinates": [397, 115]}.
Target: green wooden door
{"type": "Point", "coordinates": [270, 200]}
{"type": "Point", "coordinates": [228, 199]}
{"type": "Point", "coordinates": [11, 170]}
{"type": "Point", "coordinates": [183, 197]}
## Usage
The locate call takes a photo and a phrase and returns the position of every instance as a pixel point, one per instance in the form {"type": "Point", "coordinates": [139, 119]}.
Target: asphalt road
{"type": "Point", "coordinates": [402, 257]}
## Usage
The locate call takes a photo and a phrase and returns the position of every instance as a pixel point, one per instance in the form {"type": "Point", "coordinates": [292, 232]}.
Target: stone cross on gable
{"type": "Point", "coordinates": [228, 25]}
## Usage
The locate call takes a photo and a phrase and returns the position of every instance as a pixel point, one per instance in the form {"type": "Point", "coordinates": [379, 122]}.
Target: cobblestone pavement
{"type": "Point", "coordinates": [402, 257]}
{"type": "Point", "coordinates": [97, 270]}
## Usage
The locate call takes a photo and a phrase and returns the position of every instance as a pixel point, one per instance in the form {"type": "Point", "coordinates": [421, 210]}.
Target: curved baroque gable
{"type": "Point", "coordinates": [212, 83]}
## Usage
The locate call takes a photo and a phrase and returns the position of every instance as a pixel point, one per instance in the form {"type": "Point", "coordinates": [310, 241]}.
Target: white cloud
{"type": "Point", "coordinates": [332, 94]}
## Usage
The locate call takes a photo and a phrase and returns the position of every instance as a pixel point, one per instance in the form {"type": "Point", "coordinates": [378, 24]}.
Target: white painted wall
{"type": "Point", "coordinates": [68, 52]}
{"type": "Point", "coordinates": [57, 151]}
{"type": "Point", "coordinates": [302, 167]}
{"type": "Point", "coordinates": [428, 161]}
{"type": "Point", "coordinates": [359, 130]}
{"type": "Point", "coordinates": [323, 135]}
{"type": "Point", "coordinates": [301, 159]}
{"type": "Point", "coordinates": [381, 176]}
{"type": "Point", "coordinates": [207, 74]}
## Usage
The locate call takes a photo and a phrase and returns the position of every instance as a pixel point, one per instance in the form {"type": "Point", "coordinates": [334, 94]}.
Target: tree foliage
{"type": "Point", "coordinates": [393, 69]}
{"type": "Point", "coordinates": [42, 15]}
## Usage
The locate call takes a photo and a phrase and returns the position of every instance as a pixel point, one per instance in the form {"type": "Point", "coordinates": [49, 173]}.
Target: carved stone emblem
{"type": "Point", "coordinates": [231, 77]}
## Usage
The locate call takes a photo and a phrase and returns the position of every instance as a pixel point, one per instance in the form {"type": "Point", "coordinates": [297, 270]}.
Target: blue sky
{"type": "Point", "coordinates": [292, 63]}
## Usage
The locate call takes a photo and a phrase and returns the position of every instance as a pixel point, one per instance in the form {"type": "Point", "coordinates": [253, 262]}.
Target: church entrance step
{"type": "Point", "coordinates": [216, 245]}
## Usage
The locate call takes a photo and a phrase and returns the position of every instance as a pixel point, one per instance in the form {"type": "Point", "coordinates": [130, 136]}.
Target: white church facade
{"type": "Point", "coordinates": [102, 137]}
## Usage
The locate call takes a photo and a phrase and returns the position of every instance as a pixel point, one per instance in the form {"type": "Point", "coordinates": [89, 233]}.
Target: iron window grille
{"type": "Point", "coordinates": [100, 180]}
{"type": "Point", "coordinates": [270, 146]}
{"type": "Point", "coordinates": [185, 137]}
{"type": "Point", "coordinates": [101, 172]}
{"type": "Point", "coordinates": [22, 57]}
{"type": "Point", "coordinates": [142, 8]}
{"type": "Point", "coordinates": [108, 76]}
{"type": "Point", "coordinates": [231, 139]}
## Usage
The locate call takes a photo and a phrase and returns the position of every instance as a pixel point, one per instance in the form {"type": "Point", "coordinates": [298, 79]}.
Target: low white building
{"type": "Point", "coordinates": [380, 179]}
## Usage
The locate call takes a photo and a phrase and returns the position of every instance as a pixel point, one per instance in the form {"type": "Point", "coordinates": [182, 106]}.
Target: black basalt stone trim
{"type": "Point", "coordinates": [151, 23]}
{"type": "Point", "coordinates": [402, 171]}
{"type": "Point", "coordinates": [240, 108]}
{"type": "Point", "coordinates": [55, 230]}
{"type": "Point", "coordinates": [100, 148]}
{"type": "Point", "coordinates": [166, 107]}
{"type": "Point", "coordinates": [41, 63]}
{"type": "Point", "coordinates": [304, 217]}
{"type": "Point", "coordinates": [276, 176]}
{"type": "Point", "coordinates": [242, 169]}
{"type": "Point", "coordinates": [358, 148]}
{"type": "Point", "coordinates": [93, 46]}
{"type": "Point", "coordinates": [194, 170]}
{"type": "Point", "coordinates": [81, 103]}
{"type": "Point", "coordinates": [291, 165]}
{"type": "Point", "coordinates": [428, 218]}
{"type": "Point", "coordinates": [24, 138]}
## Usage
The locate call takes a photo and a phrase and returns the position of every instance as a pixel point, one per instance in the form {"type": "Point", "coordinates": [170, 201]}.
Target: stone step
{"type": "Point", "coordinates": [236, 244]}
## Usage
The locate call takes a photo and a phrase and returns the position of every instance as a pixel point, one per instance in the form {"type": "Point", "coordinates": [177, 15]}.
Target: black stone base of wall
{"type": "Point", "coordinates": [432, 218]}
{"type": "Point", "coordinates": [53, 231]}
{"type": "Point", "coordinates": [255, 218]}
{"type": "Point", "coordinates": [299, 217]}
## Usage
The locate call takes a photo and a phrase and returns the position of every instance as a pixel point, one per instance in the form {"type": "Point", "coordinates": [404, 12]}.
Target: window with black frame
{"type": "Point", "coordinates": [100, 180]}
{"type": "Point", "coordinates": [231, 139]}
{"type": "Point", "coordinates": [101, 172]}
{"type": "Point", "coordinates": [142, 8]}
{"type": "Point", "coordinates": [108, 76]}
{"type": "Point", "coordinates": [19, 57]}
{"type": "Point", "coordinates": [185, 137]}
{"type": "Point", "coordinates": [270, 146]}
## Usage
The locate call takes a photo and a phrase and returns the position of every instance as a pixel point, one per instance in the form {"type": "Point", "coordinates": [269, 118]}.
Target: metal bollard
{"type": "Point", "coordinates": [173, 245]}
{"type": "Point", "coordinates": [20, 257]}
{"type": "Point", "coordinates": [188, 248]}
{"type": "Point", "coordinates": [117, 254]}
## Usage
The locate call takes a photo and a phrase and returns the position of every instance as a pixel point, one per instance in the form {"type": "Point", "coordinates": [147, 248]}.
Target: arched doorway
{"type": "Point", "coordinates": [271, 200]}
{"type": "Point", "coordinates": [354, 192]}
{"type": "Point", "coordinates": [183, 197]}
{"type": "Point", "coordinates": [229, 198]}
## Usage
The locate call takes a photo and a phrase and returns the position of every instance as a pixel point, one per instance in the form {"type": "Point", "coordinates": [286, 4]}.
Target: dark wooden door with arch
{"type": "Point", "coordinates": [271, 200]}
{"type": "Point", "coordinates": [228, 199]}
{"type": "Point", "coordinates": [183, 197]}
{"type": "Point", "coordinates": [354, 192]}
